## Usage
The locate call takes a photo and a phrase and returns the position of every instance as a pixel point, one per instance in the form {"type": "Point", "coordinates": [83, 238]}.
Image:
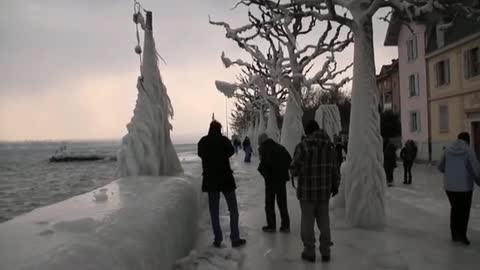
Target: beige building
{"type": "Point", "coordinates": [453, 70]}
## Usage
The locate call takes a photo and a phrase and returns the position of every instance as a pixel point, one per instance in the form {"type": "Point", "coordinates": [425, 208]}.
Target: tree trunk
{"type": "Point", "coordinates": [364, 175]}
{"type": "Point", "coordinates": [292, 128]}
{"type": "Point", "coordinates": [272, 126]}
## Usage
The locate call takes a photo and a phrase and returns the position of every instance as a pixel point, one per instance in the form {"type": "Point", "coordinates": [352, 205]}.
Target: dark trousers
{"type": "Point", "coordinates": [248, 155]}
{"type": "Point", "coordinates": [389, 174]}
{"type": "Point", "coordinates": [315, 211]}
{"type": "Point", "coordinates": [280, 192]}
{"type": "Point", "coordinates": [214, 206]}
{"type": "Point", "coordinates": [460, 203]}
{"type": "Point", "coordinates": [407, 172]}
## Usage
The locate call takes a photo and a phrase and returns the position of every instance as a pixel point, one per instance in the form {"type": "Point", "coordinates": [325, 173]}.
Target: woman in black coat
{"type": "Point", "coordinates": [389, 162]}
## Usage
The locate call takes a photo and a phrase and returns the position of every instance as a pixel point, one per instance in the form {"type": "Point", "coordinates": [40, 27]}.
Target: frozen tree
{"type": "Point", "coordinates": [147, 148]}
{"type": "Point", "coordinates": [364, 175]}
{"type": "Point", "coordinates": [328, 118]}
{"type": "Point", "coordinates": [256, 87]}
{"type": "Point", "coordinates": [290, 70]}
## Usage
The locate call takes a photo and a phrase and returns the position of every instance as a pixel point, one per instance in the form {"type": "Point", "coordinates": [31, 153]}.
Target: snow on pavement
{"type": "Point", "coordinates": [416, 237]}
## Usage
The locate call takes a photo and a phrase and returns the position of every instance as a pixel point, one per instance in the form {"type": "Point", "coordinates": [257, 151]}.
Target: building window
{"type": "Point", "coordinates": [412, 48]}
{"type": "Point", "coordinates": [413, 85]}
{"type": "Point", "coordinates": [472, 62]}
{"type": "Point", "coordinates": [414, 121]}
{"type": "Point", "coordinates": [443, 118]}
{"type": "Point", "coordinates": [442, 72]}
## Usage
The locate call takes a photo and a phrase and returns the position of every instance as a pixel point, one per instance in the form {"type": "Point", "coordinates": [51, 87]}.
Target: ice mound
{"type": "Point", "coordinates": [101, 195]}
{"type": "Point", "coordinates": [46, 232]}
{"type": "Point", "coordinates": [211, 259]}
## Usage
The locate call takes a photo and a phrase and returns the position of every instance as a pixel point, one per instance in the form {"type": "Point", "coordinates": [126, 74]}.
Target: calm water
{"type": "Point", "coordinates": [28, 180]}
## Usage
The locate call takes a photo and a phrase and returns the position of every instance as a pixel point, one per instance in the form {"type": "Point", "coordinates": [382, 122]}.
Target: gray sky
{"type": "Point", "coordinates": [68, 70]}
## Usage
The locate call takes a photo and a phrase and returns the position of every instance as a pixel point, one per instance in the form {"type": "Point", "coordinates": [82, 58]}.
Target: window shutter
{"type": "Point", "coordinates": [436, 69]}
{"type": "Point", "coordinates": [447, 71]}
{"type": "Point", "coordinates": [409, 50]}
{"type": "Point", "coordinates": [415, 47]}
{"type": "Point", "coordinates": [466, 64]}
{"type": "Point", "coordinates": [411, 121]}
{"type": "Point", "coordinates": [417, 85]}
{"type": "Point", "coordinates": [419, 126]}
{"type": "Point", "coordinates": [410, 85]}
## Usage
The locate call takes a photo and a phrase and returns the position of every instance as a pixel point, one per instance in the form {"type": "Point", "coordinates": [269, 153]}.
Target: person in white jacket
{"type": "Point", "coordinates": [461, 169]}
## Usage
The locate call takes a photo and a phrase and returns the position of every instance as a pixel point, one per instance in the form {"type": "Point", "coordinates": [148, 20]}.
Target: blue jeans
{"type": "Point", "coordinates": [214, 206]}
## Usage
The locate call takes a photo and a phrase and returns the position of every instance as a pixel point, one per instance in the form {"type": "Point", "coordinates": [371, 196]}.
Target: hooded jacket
{"type": "Point", "coordinates": [215, 151]}
{"type": "Point", "coordinates": [315, 164]}
{"type": "Point", "coordinates": [274, 162]}
{"type": "Point", "coordinates": [460, 167]}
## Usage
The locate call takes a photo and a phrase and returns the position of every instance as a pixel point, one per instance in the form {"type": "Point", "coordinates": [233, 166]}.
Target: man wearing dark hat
{"type": "Point", "coordinates": [215, 151]}
{"type": "Point", "coordinates": [315, 164]}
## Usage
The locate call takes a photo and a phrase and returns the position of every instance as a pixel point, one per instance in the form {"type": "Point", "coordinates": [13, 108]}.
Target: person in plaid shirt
{"type": "Point", "coordinates": [315, 165]}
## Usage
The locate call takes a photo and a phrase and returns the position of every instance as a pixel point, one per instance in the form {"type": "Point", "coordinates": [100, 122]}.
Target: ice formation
{"type": "Point", "coordinates": [211, 259]}
{"type": "Point", "coordinates": [250, 130]}
{"type": "Point", "coordinates": [259, 129]}
{"type": "Point", "coordinates": [328, 118]}
{"type": "Point", "coordinates": [261, 124]}
{"type": "Point", "coordinates": [100, 196]}
{"type": "Point", "coordinates": [147, 148]}
{"type": "Point", "coordinates": [254, 138]}
{"type": "Point", "coordinates": [364, 173]}
{"type": "Point", "coordinates": [272, 125]}
{"type": "Point", "coordinates": [148, 223]}
{"type": "Point", "coordinates": [228, 89]}
{"type": "Point", "coordinates": [292, 129]}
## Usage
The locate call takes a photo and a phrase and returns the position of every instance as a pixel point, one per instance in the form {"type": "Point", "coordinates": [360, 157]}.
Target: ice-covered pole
{"type": "Point", "coordinates": [147, 149]}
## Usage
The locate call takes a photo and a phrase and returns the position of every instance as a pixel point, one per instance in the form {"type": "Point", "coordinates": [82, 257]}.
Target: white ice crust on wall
{"type": "Point", "coordinates": [328, 118]}
{"type": "Point", "coordinates": [292, 129]}
{"type": "Point", "coordinates": [147, 148]}
{"type": "Point", "coordinates": [144, 223]}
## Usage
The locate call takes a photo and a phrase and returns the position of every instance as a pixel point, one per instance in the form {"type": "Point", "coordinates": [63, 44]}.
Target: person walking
{"type": "Point", "coordinates": [408, 155]}
{"type": "Point", "coordinates": [390, 162]}
{"type": "Point", "coordinates": [237, 143]}
{"type": "Point", "coordinates": [460, 169]}
{"type": "Point", "coordinates": [274, 164]}
{"type": "Point", "coordinates": [315, 164]}
{"type": "Point", "coordinates": [215, 151]}
{"type": "Point", "coordinates": [247, 147]}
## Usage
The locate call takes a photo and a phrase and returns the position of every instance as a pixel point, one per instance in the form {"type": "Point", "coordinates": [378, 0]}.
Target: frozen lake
{"type": "Point", "coordinates": [28, 180]}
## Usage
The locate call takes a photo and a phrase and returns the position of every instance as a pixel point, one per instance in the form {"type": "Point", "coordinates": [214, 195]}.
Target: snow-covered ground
{"type": "Point", "coordinates": [416, 236]}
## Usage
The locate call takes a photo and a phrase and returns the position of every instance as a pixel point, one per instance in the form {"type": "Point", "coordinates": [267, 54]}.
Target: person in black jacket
{"type": "Point", "coordinates": [408, 155]}
{"type": "Point", "coordinates": [247, 147]}
{"type": "Point", "coordinates": [274, 164]}
{"type": "Point", "coordinates": [389, 162]}
{"type": "Point", "coordinates": [215, 151]}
